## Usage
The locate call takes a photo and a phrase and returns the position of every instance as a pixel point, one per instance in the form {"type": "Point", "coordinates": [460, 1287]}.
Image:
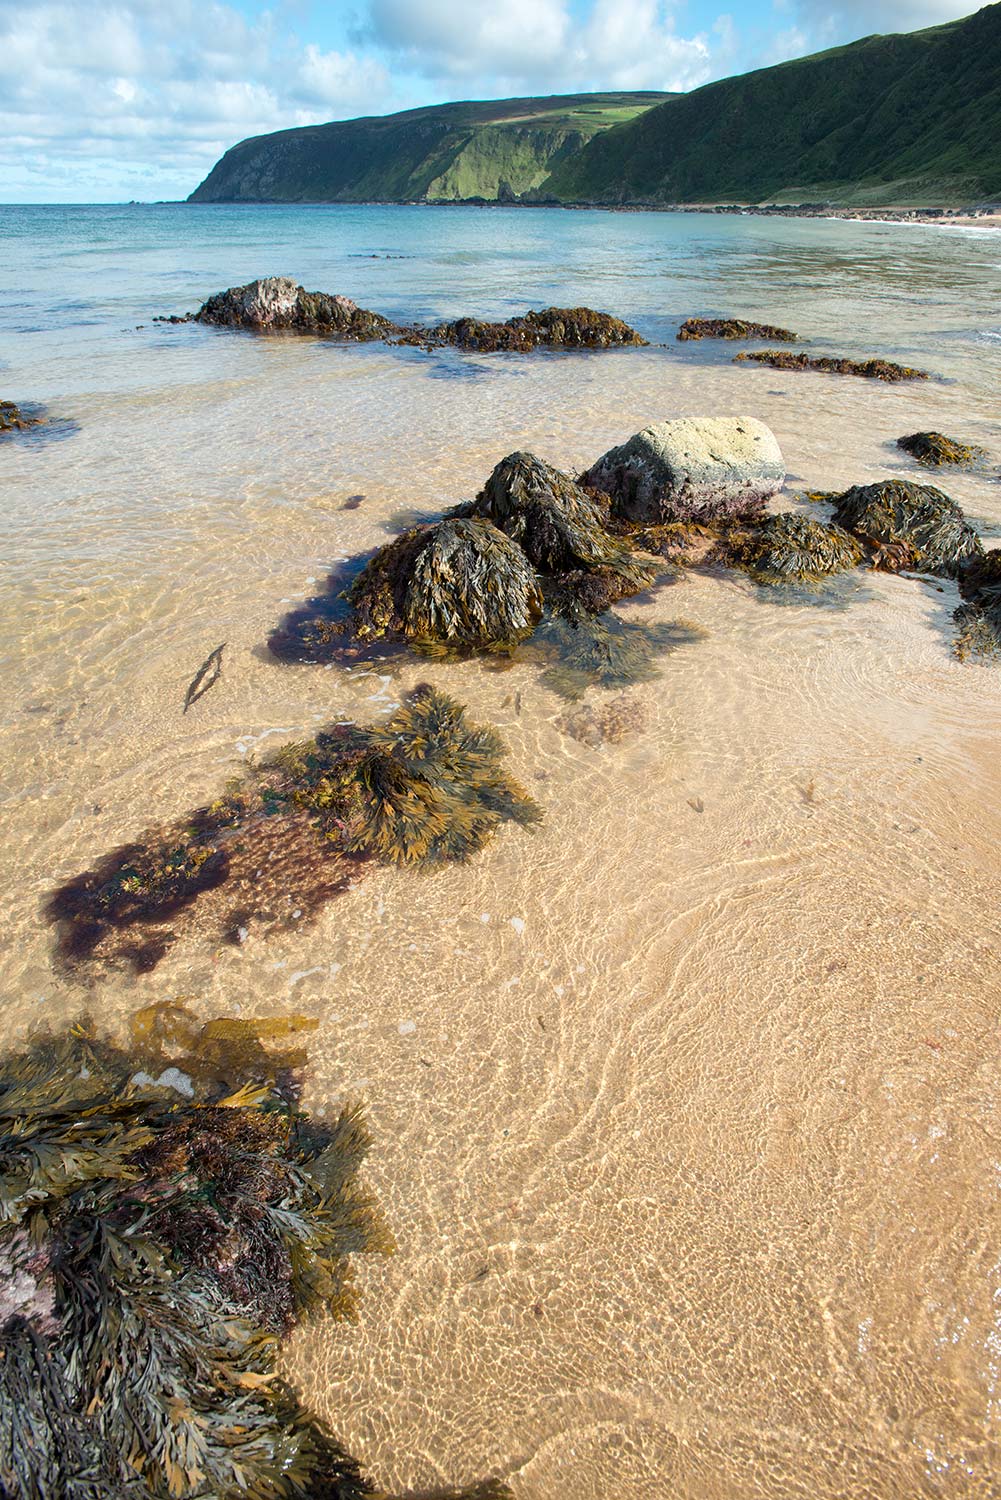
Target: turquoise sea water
{"type": "Point", "coordinates": [75, 276]}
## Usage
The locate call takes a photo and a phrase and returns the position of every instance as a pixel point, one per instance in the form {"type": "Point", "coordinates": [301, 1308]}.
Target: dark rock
{"type": "Point", "coordinates": [871, 369]}
{"type": "Point", "coordinates": [732, 328]}
{"type": "Point", "coordinates": [908, 525]}
{"type": "Point", "coordinates": [934, 449]}
{"type": "Point", "coordinates": [278, 303]}
{"type": "Point", "coordinates": [693, 469]}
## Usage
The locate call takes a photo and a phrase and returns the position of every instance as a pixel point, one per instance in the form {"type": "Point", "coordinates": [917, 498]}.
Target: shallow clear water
{"type": "Point", "coordinates": [685, 1104]}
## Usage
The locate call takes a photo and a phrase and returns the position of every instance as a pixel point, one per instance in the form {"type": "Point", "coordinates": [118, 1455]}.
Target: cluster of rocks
{"type": "Point", "coordinates": [278, 304]}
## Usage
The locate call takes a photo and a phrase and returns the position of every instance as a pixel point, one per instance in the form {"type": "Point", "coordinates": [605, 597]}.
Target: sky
{"type": "Point", "coordinates": [136, 99]}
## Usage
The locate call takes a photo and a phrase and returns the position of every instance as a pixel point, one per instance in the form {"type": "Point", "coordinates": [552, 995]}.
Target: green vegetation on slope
{"type": "Point", "coordinates": [909, 119]}
{"type": "Point", "coordinates": [488, 150]}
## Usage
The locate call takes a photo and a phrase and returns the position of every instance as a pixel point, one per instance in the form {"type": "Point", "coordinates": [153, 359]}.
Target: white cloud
{"type": "Point", "coordinates": [820, 24]}
{"type": "Point", "coordinates": [140, 97]}
{"type": "Point", "coordinates": [527, 45]}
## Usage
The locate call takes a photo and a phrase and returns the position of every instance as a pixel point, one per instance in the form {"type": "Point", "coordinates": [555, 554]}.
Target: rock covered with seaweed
{"type": "Point", "coordinates": [908, 525]}
{"type": "Point", "coordinates": [979, 616]}
{"type": "Point", "coordinates": [276, 304]}
{"type": "Point", "coordinates": [691, 469]}
{"type": "Point", "coordinates": [732, 328]}
{"type": "Point", "coordinates": [424, 788]}
{"type": "Point", "coordinates": [562, 530]}
{"type": "Point", "coordinates": [935, 451]}
{"type": "Point", "coordinates": [790, 547]}
{"type": "Point", "coordinates": [549, 328]}
{"type": "Point", "coordinates": [13, 419]}
{"type": "Point", "coordinates": [832, 364]}
{"type": "Point", "coordinates": [157, 1239]}
{"type": "Point", "coordinates": [459, 583]}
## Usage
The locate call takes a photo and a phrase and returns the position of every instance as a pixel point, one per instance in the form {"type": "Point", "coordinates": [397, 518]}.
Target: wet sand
{"type": "Point", "coordinates": [684, 1104]}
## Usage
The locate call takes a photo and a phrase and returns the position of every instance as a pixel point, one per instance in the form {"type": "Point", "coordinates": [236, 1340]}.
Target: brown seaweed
{"type": "Point", "coordinates": [732, 328]}
{"type": "Point", "coordinates": [793, 547]}
{"type": "Point", "coordinates": [207, 676]}
{"type": "Point", "coordinates": [869, 369]}
{"type": "Point", "coordinates": [13, 419]}
{"type": "Point", "coordinates": [934, 450]}
{"type": "Point", "coordinates": [426, 787]}
{"type": "Point", "coordinates": [908, 525]}
{"type": "Point", "coordinates": [155, 1239]}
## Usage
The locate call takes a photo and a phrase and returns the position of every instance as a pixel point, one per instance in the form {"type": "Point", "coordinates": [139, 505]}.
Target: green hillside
{"type": "Point", "coordinates": [488, 150]}
{"type": "Point", "coordinates": [913, 119]}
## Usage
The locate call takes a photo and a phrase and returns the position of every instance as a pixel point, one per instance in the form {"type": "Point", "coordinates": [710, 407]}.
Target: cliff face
{"type": "Point", "coordinates": [909, 119]}
{"type": "Point", "coordinates": [452, 151]}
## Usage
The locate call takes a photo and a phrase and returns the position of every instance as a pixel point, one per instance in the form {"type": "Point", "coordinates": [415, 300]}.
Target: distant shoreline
{"type": "Point", "coordinates": [987, 217]}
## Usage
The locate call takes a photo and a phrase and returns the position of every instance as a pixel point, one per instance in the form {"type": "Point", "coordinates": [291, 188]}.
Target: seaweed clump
{"type": "Point", "coordinates": [426, 787]}
{"type": "Point", "coordinates": [979, 617]}
{"type": "Point", "coordinates": [870, 369]}
{"type": "Point", "coordinates": [908, 525]}
{"type": "Point", "coordinates": [793, 547]}
{"type": "Point", "coordinates": [935, 450]}
{"type": "Point", "coordinates": [732, 328]}
{"type": "Point", "coordinates": [13, 419]}
{"type": "Point", "coordinates": [157, 1240]}
{"type": "Point", "coordinates": [551, 328]}
{"type": "Point", "coordinates": [458, 583]}
{"type": "Point", "coordinates": [560, 527]}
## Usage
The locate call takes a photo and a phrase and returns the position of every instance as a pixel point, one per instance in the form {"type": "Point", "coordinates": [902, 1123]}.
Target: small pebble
{"type": "Point", "coordinates": [407, 1028]}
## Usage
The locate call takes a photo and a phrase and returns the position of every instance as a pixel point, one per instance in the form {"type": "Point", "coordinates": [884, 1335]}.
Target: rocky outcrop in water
{"type": "Point", "coordinates": [277, 304]}
{"type": "Point", "coordinates": [13, 419]}
{"type": "Point", "coordinates": [829, 364]}
{"type": "Point", "coordinates": [935, 451]}
{"type": "Point", "coordinates": [691, 469]}
{"type": "Point", "coordinates": [732, 328]}
{"type": "Point", "coordinates": [908, 525]}
{"type": "Point", "coordinates": [979, 617]}
{"type": "Point", "coordinates": [552, 328]}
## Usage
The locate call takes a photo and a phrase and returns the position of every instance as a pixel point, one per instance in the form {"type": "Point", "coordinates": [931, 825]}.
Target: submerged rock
{"type": "Point", "coordinates": [13, 419]}
{"type": "Point", "coordinates": [793, 547]}
{"type": "Point", "coordinates": [691, 469]}
{"type": "Point", "coordinates": [459, 583]}
{"type": "Point", "coordinates": [732, 328]}
{"type": "Point", "coordinates": [278, 303]}
{"type": "Point", "coordinates": [908, 525]}
{"type": "Point", "coordinates": [561, 529]}
{"type": "Point", "coordinates": [551, 328]}
{"type": "Point", "coordinates": [934, 450]}
{"type": "Point", "coordinates": [871, 369]}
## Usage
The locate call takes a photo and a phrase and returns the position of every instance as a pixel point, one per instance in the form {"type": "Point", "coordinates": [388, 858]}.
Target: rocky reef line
{"type": "Point", "coordinates": [277, 304]}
